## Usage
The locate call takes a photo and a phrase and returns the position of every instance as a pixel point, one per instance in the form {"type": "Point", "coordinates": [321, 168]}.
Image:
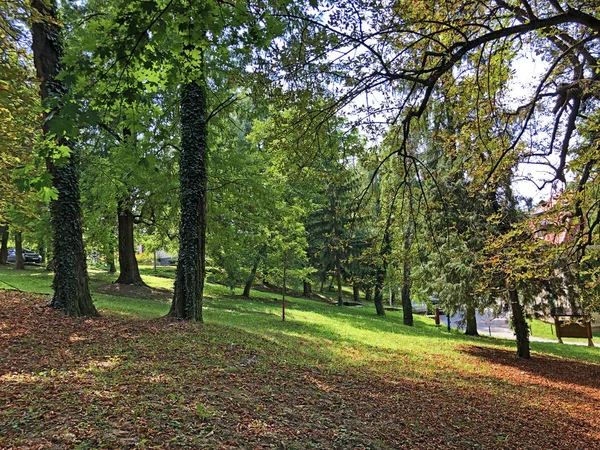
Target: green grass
{"type": "Point", "coordinates": [305, 319]}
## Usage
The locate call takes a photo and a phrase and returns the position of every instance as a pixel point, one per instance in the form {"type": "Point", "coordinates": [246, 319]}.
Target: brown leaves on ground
{"type": "Point", "coordinates": [114, 383]}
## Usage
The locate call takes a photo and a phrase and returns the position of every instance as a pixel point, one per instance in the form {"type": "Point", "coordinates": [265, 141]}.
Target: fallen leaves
{"type": "Point", "coordinates": [125, 383]}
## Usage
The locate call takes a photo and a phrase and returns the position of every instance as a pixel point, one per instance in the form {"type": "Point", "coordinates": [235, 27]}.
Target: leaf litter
{"type": "Point", "coordinates": [129, 383]}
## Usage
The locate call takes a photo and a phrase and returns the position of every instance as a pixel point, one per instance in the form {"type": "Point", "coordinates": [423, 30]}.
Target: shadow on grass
{"type": "Point", "coordinates": [567, 371]}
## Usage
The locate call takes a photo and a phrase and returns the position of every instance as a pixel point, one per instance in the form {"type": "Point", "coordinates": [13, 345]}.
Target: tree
{"type": "Point", "coordinates": [330, 224]}
{"type": "Point", "coordinates": [19, 103]}
{"type": "Point", "coordinates": [128, 123]}
{"type": "Point", "coordinates": [187, 301]}
{"type": "Point", "coordinates": [71, 290]}
{"type": "Point", "coordinates": [405, 49]}
{"type": "Point", "coordinates": [287, 246]}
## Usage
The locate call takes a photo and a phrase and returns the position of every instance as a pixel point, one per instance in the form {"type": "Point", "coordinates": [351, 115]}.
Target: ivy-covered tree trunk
{"type": "Point", "coordinates": [189, 282]}
{"type": "Point", "coordinates": [19, 262]}
{"type": "Point", "coordinates": [4, 244]}
{"type": "Point", "coordinates": [519, 324]}
{"type": "Point", "coordinates": [471, 319]}
{"type": "Point", "coordinates": [129, 272]}
{"type": "Point", "coordinates": [71, 289]}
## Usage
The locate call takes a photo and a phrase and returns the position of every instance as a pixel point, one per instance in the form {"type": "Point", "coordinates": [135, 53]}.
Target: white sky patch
{"type": "Point", "coordinates": [528, 71]}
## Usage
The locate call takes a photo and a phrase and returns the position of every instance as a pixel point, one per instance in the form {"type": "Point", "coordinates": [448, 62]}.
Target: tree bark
{"type": "Point", "coordinates": [129, 272]}
{"type": "Point", "coordinates": [19, 262]}
{"type": "Point", "coordinates": [283, 290]}
{"type": "Point", "coordinates": [4, 245]}
{"type": "Point", "coordinates": [519, 324]}
{"type": "Point", "coordinates": [110, 258]}
{"type": "Point", "coordinates": [356, 292]}
{"type": "Point", "coordinates": [406, 302]}
{"type": "Point", "coordinates": [111, 264]}
{"type": "Point", "coordinates": [253, 270]}
{"type": "Point", "coordinates": [406, 282]}
{"type": "Point", "coordinates": [368, 293]}
{"type": "Point", "coordinates": [71, 289]}
{"type": "Point", "coordinates": [189, 282]}
{"type": "Point", "coordinates": [471, 319]}
{"type": "Point", "coordinates": [386, 248]}
{"type": "Point", "coordinates": [306, 289]}
{"type": "Point", "coordinates": [378, 298]}
{"type": "Point", "coordinates": [338, 276]}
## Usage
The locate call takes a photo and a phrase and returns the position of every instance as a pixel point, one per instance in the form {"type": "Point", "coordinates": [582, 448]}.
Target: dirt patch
{"type": "Point", "coordinates": [133, 291]}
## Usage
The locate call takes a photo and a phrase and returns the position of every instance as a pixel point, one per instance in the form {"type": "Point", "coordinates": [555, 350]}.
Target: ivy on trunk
{"type": "Point", "coordinates": [71, 290]}
{"type": "Point", "coordinates": [189, 282]}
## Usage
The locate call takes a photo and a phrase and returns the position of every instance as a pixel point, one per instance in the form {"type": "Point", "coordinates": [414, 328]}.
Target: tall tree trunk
{"type": "Point", "coordinates": [4, 245]}
{"type": "Point", "coordinates": [306, 289]}
{"type": "Point", "coordinates": [378, 298]}
{"type": "Point", "coordinates": [253, 270]}
{"type": "Point", "coordinates": [368, 293]}
{"type": "Point", "coordinates": [406, 302]}
{"type": "Point", "coordinates": [338, 276]}
{"type": "Point", "coordinates": [471, 319]}
{"type": "Point", "coordinates": [129, 271]}
{"type": "Point", "coordinates": [406, 282]}
{"type": "Point", "coordinates": [110, 258]}
{"type": "Point", "coordinates": [283, 290]}
{"type": "Point", "coordinates": [19, 262]}
{"type": "Point", "coordinates": [189, 282]}
{"type": "Point", "coordinates": [519, 324]}
{"type": "Point", "coordinates": [356, 292]}
{"type": "Point", "coordinates": [71, 289]}
{"type": "Point", "coordinates": [386, 248]}
{"type": "Point", "coordinates": [111, 263]}
{"type": "Point", "coordinates": [407, 310]}
{"type": "Point", "coordinates": [392, 295]}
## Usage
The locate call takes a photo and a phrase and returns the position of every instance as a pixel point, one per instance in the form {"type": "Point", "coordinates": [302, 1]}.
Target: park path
{"type": "Point", "coordinates": [498, 327]}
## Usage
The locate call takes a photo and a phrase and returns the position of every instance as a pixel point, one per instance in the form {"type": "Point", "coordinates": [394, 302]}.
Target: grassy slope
{"type": "Point", "coordinates": [240, 377]}
{"type": "Point", "coordinates": [357, 325]}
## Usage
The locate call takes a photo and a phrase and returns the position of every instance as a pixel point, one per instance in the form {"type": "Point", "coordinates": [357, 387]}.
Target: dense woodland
{"type": "Point", "coordinates": [309, 146]}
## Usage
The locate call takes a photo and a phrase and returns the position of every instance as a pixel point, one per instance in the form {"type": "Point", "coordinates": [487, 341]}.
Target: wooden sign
{"type": "Point", "coordinates": [573, 327]}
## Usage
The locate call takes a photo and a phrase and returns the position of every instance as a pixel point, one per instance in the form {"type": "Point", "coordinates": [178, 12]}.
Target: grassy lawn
{"type": "Point", "coordinates": [327, 377]}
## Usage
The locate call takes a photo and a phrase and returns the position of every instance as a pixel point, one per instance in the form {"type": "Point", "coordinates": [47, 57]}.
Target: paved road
{"type": "Point", "coordinates": [488, 325]}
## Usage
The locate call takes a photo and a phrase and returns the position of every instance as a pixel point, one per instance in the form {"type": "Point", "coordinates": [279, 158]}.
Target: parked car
{"type": "Point", "coordinates": [29, 256]}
